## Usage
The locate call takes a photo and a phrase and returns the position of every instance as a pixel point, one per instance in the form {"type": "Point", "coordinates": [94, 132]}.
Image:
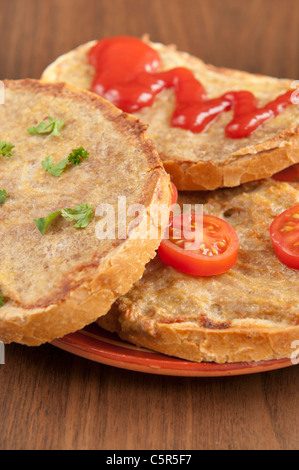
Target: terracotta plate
{"type": "Point", "coordinates": [98, 345]}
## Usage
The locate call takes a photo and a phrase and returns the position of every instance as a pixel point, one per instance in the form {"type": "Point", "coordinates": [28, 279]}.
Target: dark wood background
{"type": "Point", "coordinates": [54, 400]}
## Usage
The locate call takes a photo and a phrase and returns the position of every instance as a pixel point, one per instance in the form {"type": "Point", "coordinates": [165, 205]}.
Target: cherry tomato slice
{"type": "Point", "coordinates": [290, 174]}
{"type": "Point", "coordinates": [284, 232]}
{"type": "Point", "coordinates": [213, 252]}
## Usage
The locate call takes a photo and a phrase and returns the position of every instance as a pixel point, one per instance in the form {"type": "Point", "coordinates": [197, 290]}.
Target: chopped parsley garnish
{"type": "Point", "coordinates": [75, 157]}
{"type": "Point", "coordinates": [5, 149]}
{"type": "Point", "coordinates": [1, 301]}
{"type": "Point", "coordinates": [55, 170]}
{"type": "Point", "coordinates": [43, 222]}
{"type": "Point", "coordinates": [78, 155]}
{"type": "Point", "coordinates": [81, 215]}
{"type": "Point", "coordinates": [3, 195]}
{"type": "Point", "coordinates": [52, 127]}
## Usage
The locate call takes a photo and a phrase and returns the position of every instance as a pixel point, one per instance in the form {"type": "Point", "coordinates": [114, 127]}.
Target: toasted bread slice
{"type": "Point", "coordinates": [208, 160]}
{"type": "Point", "coordinates": [56, 283]}
{"type": "Point", "coordinates": [250, 313]}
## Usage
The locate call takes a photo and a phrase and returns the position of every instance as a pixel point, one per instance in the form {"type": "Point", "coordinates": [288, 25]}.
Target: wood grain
{"type": "Point", "coordinates": [53, 400]}
{"type": "Point", "coordinates": [261, 36]}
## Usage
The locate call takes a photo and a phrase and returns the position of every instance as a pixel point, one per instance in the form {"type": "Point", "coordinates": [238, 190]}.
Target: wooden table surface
{"type": "Point", "coordinates": [51, 399]}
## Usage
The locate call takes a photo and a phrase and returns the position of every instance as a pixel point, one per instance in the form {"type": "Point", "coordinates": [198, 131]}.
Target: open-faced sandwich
{"type": "Point", "coordinates": [63, 153]}
{"type": "Point", "coordinates": [247, 312]}
{"type": "Point", "coordinates": [213, 127]}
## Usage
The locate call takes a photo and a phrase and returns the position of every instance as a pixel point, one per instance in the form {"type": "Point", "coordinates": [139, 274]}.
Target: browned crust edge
{"type": "Point", "coordinates": [111, 275]}
{"type": "Point", "coordinates": [240, 169]}
{"type": "Point", "coordinates": [198, 344]}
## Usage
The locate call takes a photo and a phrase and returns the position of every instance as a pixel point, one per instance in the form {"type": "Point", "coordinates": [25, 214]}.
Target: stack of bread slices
{"type": "Point", "coordinates": [56, 283]}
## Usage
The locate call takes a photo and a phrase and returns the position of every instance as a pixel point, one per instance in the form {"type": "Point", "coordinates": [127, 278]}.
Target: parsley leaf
{"type": "Point", "coordinates": [55, 170]}
{"type": "Point", "coordinates": [47, 163]}
{"type": "Point", "coordinates": [78, 155]}
{"type": "Point", "coordinates": [3, 195]}
{"type": "Point", "coordinates": [52, 127]}
{"type": "Point", "coordinates": [1, 301]}
{"type": "Point", "coordinates": [81, 215]}
{"type": "Point", "coordinates": [5, 149]}
{"type": "Point", "coordinates": [43, 222]}
{"type": "Point", "coordinates": [75, 157]}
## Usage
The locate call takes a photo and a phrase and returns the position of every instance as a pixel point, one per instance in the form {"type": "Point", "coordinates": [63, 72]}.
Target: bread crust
{"type": "Point", "coordinates": [88, 289]}
{"type": "Point", "coordinates": [250, 313]}
{"type": "Point", "coordinates": [241, 169]}
{"type": "Point", "coordinates": [210, 160]}
{"type": "Point", "coordinates": [200, 344]}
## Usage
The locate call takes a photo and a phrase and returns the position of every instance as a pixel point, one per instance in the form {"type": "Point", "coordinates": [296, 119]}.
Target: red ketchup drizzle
{"type": "Point", "coordinates": [127, 74]}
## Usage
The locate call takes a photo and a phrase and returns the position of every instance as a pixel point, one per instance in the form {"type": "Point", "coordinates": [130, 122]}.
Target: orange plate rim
{"type": "Point", "coordinates": [98, 345]}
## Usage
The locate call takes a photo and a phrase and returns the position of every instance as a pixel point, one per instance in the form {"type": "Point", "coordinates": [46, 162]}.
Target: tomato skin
{"type": "Point", "coordinates": [290, 174]}
{"type": "Point", "coordinates": [196, 263]}
{"type": "Point", "coordinates": [286, 242]}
